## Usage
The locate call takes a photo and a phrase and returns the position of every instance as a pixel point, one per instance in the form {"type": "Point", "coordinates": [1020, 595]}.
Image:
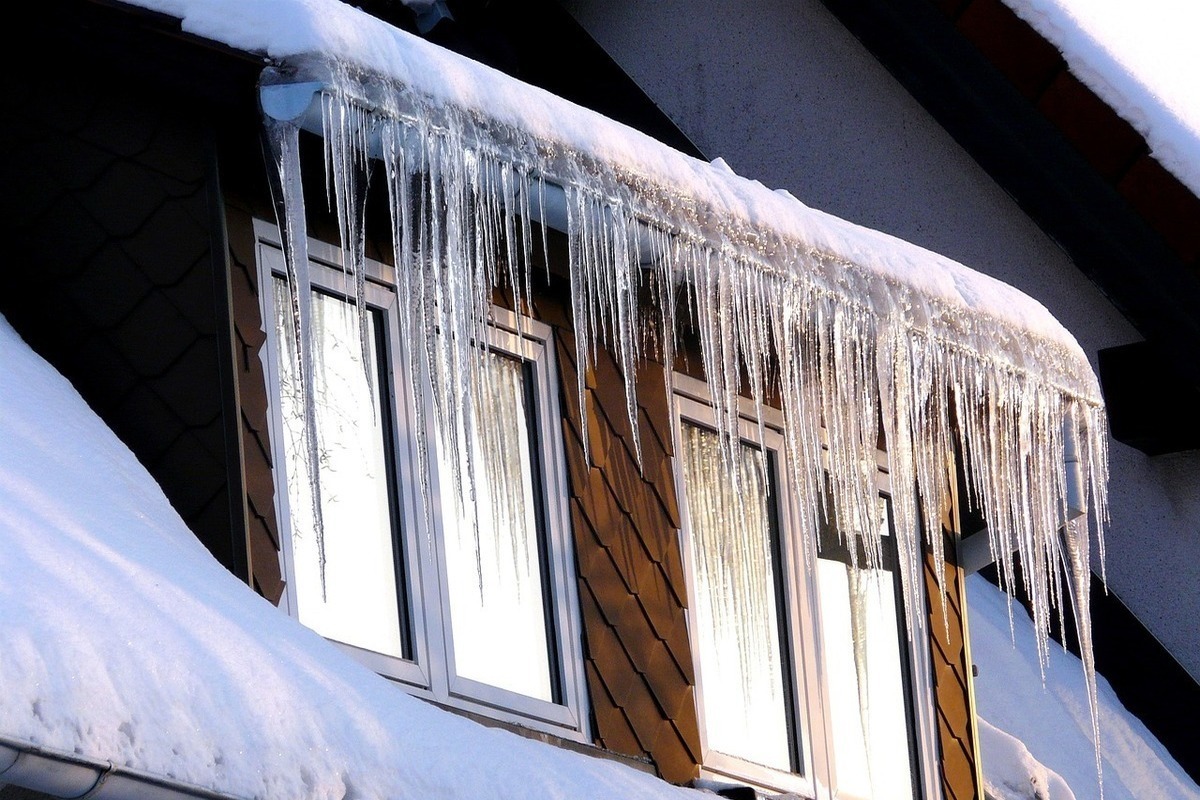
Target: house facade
{"type": "Point", "coordinates": [624, 619]}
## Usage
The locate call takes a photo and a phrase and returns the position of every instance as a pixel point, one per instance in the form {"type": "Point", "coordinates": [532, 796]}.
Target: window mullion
{"type": "Point", "coordinates": [424, 608]}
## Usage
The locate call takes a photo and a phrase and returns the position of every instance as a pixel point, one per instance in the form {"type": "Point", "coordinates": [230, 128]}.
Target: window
{"type": "Point", "coordinates": [467, 599]}
{"type": "Point", "coordinates": [807, 681]}
{"type": "Point", "coordinates": [867, 669]}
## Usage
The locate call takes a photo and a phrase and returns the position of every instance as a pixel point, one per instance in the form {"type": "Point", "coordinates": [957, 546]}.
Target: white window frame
{"type": "Point", "coordinates": [430, 672]}
{"type": "Point", "coordinates": [692, 402]}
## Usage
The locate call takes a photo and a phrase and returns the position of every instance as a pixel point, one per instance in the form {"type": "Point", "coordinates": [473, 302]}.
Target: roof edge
{"type": "Point", "coordinates": [1023, 151]}
{"type": "Point", "coordinates": [68, 775]}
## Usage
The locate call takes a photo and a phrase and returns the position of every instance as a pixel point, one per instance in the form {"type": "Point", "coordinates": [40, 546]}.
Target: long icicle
{"type": "Point", "coordinates": [284, 141]}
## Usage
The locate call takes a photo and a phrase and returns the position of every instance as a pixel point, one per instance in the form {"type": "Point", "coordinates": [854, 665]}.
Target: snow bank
{"type": "Point", "coordinates": [1044, 734]}
{"type": "Point", "coordinates": [1012, 773]}
{"type": "Point", "coordinates": [1141, 59]}
{"type": "Point", "coordinates": [125, 641]}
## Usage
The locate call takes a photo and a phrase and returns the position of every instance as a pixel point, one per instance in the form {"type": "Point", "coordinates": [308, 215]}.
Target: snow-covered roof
{"type": "Point", "coordinates": [1035, 737]}
{"type": "Point", "coordinates": [1140, 58]}
{"type": "Point", "coordinates": [125, 641]}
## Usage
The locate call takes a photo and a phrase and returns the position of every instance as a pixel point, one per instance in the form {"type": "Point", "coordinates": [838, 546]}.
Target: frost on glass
{"type": "Point", "coordinates": [857, 349]}
{"type": "Point", "coordinates": [735, 622]}
{"type": "Point", "coordinates": [865, 678]}
{"type": "Point", "coordinates": [493, 562]}
{"type": "Point", "coordinates": [356, 600]}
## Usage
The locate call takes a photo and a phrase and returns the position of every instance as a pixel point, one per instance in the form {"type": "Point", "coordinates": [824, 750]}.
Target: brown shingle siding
{"type": "Point", "coordinates": [262, 527]}
{"type": "Point", "coordinates": [657, 466]}
{"type": "Point", "coordinates": [612, 726]}
{"type": "Point", "coordinates": [953, 698]}
{"type": "Point", "coordinates": [113, 277]}
{"type": "Point", "coordinates": [625, 521]}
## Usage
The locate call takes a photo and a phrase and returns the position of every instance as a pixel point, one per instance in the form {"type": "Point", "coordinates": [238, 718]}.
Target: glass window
{"type": "Point", "coordinates": [866, 670]}
{"type": "Point", "coordinates": [359, 600]}
{"type": "Point", "coordinates": [732, 534]}
{"type": "Point", "coordinates": [468, 600]}
{"type": "Point", "coordinates": [804, 674]}
{"type": "Point", "coordinates": [494, 562]}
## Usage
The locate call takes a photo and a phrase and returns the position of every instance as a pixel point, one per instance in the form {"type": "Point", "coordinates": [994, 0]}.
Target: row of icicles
{"type": "Point", "coordinates": [466, 202]}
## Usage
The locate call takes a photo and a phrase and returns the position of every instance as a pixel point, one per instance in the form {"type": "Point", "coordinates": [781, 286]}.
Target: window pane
{"type": "Point", "coordinates": [493, 558]}
{"type": "Point", "coordinates": [360, 603]}
{"type": "Point", "coordinates": [736, 630]}
{"type": "Point", "coordinates": [868, 703]}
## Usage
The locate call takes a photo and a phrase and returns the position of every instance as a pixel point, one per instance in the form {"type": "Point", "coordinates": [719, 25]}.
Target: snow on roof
{"type": "Point", "coordinates": [1140, 58]}
{"type": "Point", "coordinates": [124, 640]}
{"type": "Point", "coordinates": [732, 206]}
{"type": "Point", "coordinates": [1037, 726]}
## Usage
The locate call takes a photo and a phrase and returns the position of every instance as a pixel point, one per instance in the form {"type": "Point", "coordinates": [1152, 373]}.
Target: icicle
{"type": "Point", "coordinates": [347, 129]}
{"type": "Point", "coordinates": [852, 352]}
{"type": "Point", "coordinates": [284, 141]}
{"type": "Point", "coordinates": [581, 306]}
{"type": "Point", "coordinates": [858, 584]}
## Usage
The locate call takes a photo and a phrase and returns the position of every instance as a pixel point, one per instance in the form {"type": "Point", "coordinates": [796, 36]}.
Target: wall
{"type": "Point", "coordinates": [787, 96]}
{"type": "Point", "coordinates": [110, 273]}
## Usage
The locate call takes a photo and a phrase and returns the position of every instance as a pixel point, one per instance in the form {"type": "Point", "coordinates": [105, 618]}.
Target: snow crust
{"type": "Point", "coordinates": [1140, 58]}
{"type": "Point", "coordinates": [1012, 773]}
{"type": "Point", "coordinates": [1036, 738]}
{"type": "Point", "coordinates": [125, 641]}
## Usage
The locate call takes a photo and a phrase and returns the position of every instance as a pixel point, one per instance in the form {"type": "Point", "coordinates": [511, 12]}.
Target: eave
{"type": "Point", "coordinates": [1079, 171]}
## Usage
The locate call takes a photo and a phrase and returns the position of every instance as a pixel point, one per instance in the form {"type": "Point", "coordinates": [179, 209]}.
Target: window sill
{"type": "Point", "coordinates": [575, 746]}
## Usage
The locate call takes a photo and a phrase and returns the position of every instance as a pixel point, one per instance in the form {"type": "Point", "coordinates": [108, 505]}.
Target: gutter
{"type": "Point", "coordinates": [299, 103]}
{"type": "Point", "coordinates": [73, 777]}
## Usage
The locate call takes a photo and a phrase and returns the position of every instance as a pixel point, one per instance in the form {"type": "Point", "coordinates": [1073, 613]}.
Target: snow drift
{"type": "Point", "coordinates": [125, 641]}
{"type": "Point", "coordinates": [1035, 731]}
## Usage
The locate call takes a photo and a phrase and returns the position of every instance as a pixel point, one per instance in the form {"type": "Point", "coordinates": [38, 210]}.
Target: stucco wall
{"type": "Point", "coordinates": [786, 95]}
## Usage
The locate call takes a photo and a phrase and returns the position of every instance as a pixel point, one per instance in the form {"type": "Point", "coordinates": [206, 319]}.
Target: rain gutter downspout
{"type": "Point", "coordinates": [72, 777]}
{"type": "Point", "coordinates": [974, 550]}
